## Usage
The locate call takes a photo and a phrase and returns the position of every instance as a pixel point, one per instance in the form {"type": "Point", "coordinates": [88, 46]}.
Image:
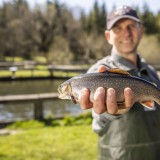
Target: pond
{"type": "Point", "coordinates": [24, 110]}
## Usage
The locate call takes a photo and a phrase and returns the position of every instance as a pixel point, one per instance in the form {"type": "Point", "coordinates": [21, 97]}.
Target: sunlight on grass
{"type": "Point", "coordinates": [27, 73]}
{"type": "Point", "coordinates": [15, 59]}
{"type": "Point", "coordinates": [65, 74]}
{"type": "Point", "coordinates": [40, 59]}
{"type": "Point", "coordinates": [41, 67]}
{"type": "Point", "coordinates": [59, 143]}
{"type": "Point", "coordinates": [5, 73]}
{"type": "Point", "coordinates": [37, 73]}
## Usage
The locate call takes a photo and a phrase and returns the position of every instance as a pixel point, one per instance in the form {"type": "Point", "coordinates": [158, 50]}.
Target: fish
{"type": "Point", "coordinates": [144, 91]}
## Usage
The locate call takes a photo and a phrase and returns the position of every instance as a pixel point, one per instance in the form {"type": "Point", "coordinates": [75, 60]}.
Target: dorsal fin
{"type": "Point", "coordinates": [118, 71]}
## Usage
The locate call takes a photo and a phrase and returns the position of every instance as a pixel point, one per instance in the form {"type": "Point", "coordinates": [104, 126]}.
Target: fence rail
{"type": "Point", "coordinates": [37, 99]}
{"type": "Point", "coordinates": [15, 67]}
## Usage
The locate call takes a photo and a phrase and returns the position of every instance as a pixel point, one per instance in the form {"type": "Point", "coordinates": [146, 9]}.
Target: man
{"type": "Point", "coordinates": [127, 131]}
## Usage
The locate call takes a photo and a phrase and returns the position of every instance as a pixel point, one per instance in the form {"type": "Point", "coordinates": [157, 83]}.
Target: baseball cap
{"type": "Point", "coordinates": [119, 13]}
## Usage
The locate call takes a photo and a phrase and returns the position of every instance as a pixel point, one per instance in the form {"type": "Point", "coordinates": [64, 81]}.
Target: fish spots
{"type": "Point", "coordinates": [142, 89]}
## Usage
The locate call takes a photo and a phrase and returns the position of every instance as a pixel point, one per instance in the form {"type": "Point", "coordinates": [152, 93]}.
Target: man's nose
{"type": "Point", "coordinates": [127, 32]}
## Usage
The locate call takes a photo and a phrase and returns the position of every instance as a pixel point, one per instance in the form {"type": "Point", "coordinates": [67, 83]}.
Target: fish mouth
{"type": "Point", "coordinates": [61, 96]}
{"type": "Point", "coordinates": [64, 96]}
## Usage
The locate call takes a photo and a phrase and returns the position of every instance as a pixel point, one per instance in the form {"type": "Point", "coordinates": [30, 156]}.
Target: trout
{"type": "Point", "coordinates": [143, 90]}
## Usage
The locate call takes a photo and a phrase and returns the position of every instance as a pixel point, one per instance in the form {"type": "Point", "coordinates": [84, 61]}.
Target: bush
{"type": "Point", "coordinates": [31, 124]}
{"type": "Point", "coordinates": [82, 119]}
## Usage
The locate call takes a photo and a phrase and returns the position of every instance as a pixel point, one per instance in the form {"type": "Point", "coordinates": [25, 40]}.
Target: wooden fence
{"type": "Point", "coordinates": [33, 66]}
{"type": "Point", "coordinates": [37, 99]}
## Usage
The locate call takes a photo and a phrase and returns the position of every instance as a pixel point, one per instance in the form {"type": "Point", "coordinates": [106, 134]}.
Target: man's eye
{"type": "Point", "coordinates": [116, 29]}
{"type": "Point", "coordinates": [132, 26]}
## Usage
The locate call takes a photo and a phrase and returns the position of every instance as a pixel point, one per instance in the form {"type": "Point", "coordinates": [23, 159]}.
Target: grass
{"type": "Point", "coordinates": [65, 74]}
{"type": "Point", "coordinates": [69, 138]}
{"type": "Point", "coordinates": [40, 70]}
{"type": "Point", "coordinates": [50, 143]}
{"type": "Point", "coordinates": [14, 59]}
{"type": "Point", "coordinates": [35, 73]}
{"type": "Point", "coordinates": [4, 73]}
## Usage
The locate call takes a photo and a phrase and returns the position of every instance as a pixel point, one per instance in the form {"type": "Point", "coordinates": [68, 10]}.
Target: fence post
{"type": "Point", "coordinates": [13, 70]}
{"type": "Point", "coordinates": [51, 72]}
{"type": "Point", "coordinates": [38, 110]}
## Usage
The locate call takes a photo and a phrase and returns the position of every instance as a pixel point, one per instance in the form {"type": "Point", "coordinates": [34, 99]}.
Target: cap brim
{"type": "Point", "coordinates": [109, 26]}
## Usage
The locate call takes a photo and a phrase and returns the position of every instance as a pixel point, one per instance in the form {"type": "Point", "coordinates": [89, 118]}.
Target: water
{"type": "Point", "coordinates": [24, 110]}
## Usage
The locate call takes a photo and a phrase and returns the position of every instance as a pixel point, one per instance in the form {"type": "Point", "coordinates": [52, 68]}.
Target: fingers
{"type": "Point", "coordinates": [128, 103]}
{"type": "Point", "coordinates": [129, 97]}
{"type": "Point", "coordinates": [102, 69]}
{"type": "Point", "coordinates": [111, 101]}
{"type": "Point", "coordinates": [84, 99]}
{"type": "Point", "coordinates": [106, 102]}
{"type": "Point", "coordinates": [99, 101]}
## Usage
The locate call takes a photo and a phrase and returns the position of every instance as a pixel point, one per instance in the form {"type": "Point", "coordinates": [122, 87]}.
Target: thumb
{"type": "Point", "coordinates": [102, 68]}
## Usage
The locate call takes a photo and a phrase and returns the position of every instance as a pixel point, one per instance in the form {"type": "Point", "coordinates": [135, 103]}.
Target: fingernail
{"type": "Point", "coordinates": [128, 91]}
{"type": "Point", "coordinates": [110, 91]}
{"type": "Point", "coordinates": [84, 91]}
{"type": "Point", "coordinates": [100, 90]}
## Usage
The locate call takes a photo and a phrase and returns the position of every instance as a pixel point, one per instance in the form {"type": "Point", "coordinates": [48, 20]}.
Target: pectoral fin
{"type": "Point", "coordinates": [148, 104]}
{"type": "Point", "coordinates": [73, 100]}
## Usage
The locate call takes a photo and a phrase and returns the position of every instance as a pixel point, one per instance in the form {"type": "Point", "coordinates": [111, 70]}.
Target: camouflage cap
{"type": "Point", "coordinates": [119, 13]}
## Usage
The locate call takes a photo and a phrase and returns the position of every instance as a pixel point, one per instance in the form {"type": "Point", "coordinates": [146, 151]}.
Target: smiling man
{"type": "Point", "coordinates": [126, 131]}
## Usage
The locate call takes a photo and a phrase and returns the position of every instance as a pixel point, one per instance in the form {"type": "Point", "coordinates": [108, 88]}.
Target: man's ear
{"type": "Point", "coordinates": [107, 36]}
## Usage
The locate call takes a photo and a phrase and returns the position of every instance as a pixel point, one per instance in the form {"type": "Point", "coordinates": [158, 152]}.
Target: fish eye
{"type": "Point", "coordinates": [60, 87]}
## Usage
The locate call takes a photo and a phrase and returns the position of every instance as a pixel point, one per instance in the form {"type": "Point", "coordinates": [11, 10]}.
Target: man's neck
{"type": "Point", "coordinates": [132, 57]}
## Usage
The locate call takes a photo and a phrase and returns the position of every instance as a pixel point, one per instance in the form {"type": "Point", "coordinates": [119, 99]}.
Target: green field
{"type": "Point", "coordinates": [50, 143]}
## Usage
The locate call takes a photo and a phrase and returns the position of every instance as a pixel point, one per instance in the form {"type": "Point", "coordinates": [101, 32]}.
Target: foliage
{"type": "Point", "coordinates": [59, 49]}
{"type": "Point", "coordinates": [15, 59]}
{"type": "Point", "coordinates": [150, 21]}
{"type": "Point", "coordinates": [95, 22]}
{"type": "Point", "coordinates": [54, 33]}
{"type": "Point", "coordinates": [31, 124]}
{"type": "Point", "coordinates": [152, 49]}
{"type": "Point", "coordinates": [40, 59]}
{"type": "Point", "coordinates": [83, 119]}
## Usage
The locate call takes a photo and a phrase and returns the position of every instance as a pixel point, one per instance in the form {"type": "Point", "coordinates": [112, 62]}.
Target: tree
{"type": "Point", "coordinates": [45, 25]}
{"type": "Point", "coordinates": [13, 29]}
{"type": "Point", "coordinates": [149, 20]}
{"type": "Point", "coordinates": [96, 20]}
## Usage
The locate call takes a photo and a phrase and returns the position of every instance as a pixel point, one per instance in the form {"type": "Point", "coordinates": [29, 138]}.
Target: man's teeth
{"type": "Point", "coordinates": [126, 41]}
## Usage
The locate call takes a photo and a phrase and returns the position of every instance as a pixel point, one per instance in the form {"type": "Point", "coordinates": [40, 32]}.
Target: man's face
{"type": "Point", "coordinates": [125, 36]}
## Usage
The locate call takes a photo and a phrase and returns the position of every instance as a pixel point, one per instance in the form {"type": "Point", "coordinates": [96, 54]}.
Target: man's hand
{"type": "Point", "coordinates": [105, 101]}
